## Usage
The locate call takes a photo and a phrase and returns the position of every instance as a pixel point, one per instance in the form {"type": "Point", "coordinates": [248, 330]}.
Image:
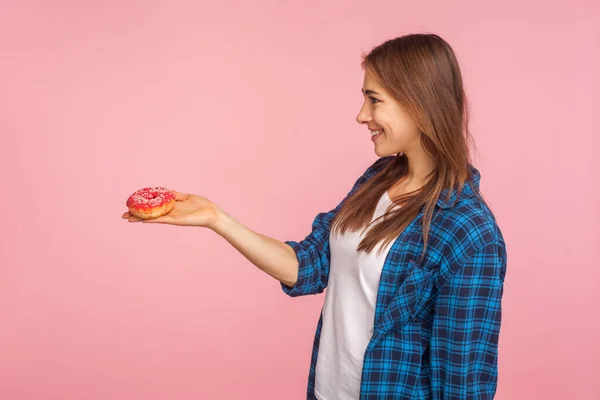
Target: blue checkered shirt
{"type": "Point", "coordinates": [437, 321]}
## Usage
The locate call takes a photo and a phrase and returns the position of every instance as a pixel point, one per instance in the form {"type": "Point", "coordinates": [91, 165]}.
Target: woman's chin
{"type": "Point", "coordinates": [383, 152]}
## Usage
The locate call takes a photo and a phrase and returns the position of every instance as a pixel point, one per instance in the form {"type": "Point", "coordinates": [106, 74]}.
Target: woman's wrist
{"type": "Point", "coordinates": [220, 221]}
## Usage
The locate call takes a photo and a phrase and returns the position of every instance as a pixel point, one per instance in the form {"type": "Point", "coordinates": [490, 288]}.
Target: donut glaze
{"type": "Point", "coordinates": [151, 202]}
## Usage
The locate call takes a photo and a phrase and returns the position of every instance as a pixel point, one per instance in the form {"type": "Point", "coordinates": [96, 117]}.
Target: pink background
{"type": "Point", "coordinates": [253, 105]}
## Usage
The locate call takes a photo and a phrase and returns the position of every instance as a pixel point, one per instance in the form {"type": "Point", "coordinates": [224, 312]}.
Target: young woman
{"type": "Point", "coordinates": [412, 258]}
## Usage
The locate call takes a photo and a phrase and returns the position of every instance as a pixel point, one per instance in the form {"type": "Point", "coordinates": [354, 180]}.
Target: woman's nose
{"type": "Point", "coordinates": [363, 116]}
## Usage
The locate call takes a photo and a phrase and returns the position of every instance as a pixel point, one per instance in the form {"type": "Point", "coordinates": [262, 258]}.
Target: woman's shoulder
{"type": "Point", "coordinates": [468, 227]}
{"type": "Point", "coordinates": [465, 219]}
{"type": "Point", "coordinates": [461, 216]}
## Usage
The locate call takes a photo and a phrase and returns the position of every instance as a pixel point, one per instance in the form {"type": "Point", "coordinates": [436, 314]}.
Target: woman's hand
{"type": "Point", "coordinates": [272, 256]}
{"type": "Point", "coordinates": [189, 210]}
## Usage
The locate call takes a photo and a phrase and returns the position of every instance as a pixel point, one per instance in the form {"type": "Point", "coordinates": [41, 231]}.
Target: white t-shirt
{"type": "Point", "coordinates": [348, 313]}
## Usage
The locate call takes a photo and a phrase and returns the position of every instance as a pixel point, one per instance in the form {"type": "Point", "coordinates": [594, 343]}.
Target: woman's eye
{"type": "Point", "coordinates": [373, 99]}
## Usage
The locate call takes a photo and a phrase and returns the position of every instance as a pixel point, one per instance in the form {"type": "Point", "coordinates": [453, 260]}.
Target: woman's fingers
{"type": "Point", "coordinates": [179, 196]}
{"type": "Point", "coordinates": [130, 217]}
{"type": "Point", "coordinates": [165, 219]}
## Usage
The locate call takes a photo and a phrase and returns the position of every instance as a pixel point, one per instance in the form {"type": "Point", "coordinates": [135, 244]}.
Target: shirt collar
{"type": "Point", "coordinates": [470, 189]}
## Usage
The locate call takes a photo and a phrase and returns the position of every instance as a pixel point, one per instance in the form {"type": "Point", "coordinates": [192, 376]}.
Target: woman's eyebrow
{"type": "Point", "coordinates": [369, 92]}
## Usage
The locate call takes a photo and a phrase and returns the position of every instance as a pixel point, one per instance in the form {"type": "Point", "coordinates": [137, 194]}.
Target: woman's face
{"type": "Point", "coordinates": [381, 112]}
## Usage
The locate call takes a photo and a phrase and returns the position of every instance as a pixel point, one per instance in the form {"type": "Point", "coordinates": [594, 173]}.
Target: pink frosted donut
{"type": "Point", "coordinates": [151, 202]}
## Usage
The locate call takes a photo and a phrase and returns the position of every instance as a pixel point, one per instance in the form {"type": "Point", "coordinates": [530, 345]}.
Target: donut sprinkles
{"type": "Point", "coordinates": [151, 202]}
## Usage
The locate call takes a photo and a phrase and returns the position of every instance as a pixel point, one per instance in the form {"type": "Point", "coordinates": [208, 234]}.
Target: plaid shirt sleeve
{"type": "Point", "coordinates": [313, 252]}
{"type": "Point", "coordinates": [466, 327]}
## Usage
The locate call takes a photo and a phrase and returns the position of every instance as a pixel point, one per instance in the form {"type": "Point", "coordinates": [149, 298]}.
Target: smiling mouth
{"type": "Point", "coordinates": [376, 135]}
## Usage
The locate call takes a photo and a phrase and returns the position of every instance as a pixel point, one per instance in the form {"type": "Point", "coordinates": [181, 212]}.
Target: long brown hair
{"type": "Point", "coordinates": [421, 72]}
